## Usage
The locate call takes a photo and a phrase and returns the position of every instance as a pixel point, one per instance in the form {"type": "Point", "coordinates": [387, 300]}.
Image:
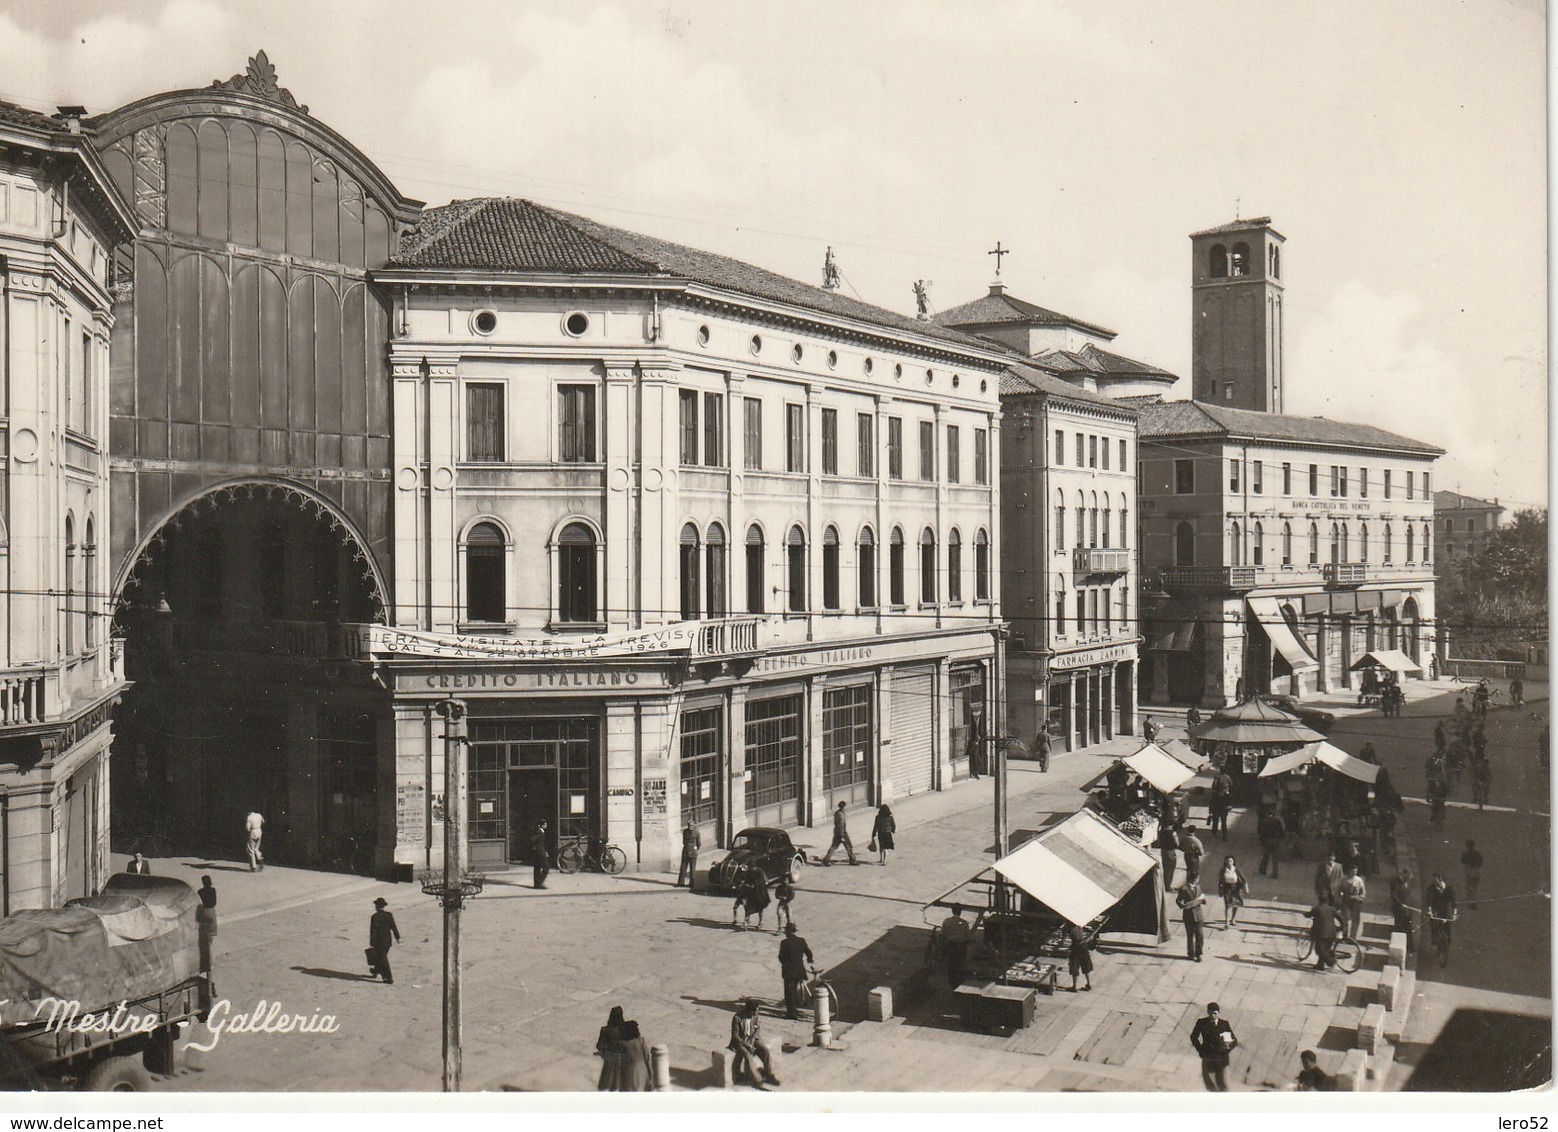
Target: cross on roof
{"type": "Point", "coordinates": [998, 251]}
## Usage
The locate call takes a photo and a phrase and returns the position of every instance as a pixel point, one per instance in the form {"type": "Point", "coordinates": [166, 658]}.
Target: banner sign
{"type": "Point", "coordinates": [383, 642]}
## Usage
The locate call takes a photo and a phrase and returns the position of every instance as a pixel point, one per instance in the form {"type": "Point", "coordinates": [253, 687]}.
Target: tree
{"type": "Point", "coordinates": [1504, 599]}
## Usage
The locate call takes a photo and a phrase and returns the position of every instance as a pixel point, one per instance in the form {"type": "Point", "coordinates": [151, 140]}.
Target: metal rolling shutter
{"type": "Point", "coordinates": [913, 750]}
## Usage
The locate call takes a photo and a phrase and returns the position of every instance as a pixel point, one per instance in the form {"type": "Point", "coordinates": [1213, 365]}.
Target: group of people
{"type": "Point", "coordinates": [1461, 746]}
{"type": "Point", "coordinates": [1337, 912]}
{"type": "Point", "coordinates": [1387, 688]}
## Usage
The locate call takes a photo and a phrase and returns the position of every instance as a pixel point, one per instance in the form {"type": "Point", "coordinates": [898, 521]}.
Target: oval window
{"type": "Point", "coordinates": [484, 322]}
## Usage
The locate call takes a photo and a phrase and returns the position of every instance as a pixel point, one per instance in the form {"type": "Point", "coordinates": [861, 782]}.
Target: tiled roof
{"type": "Point", "coordinates": [1023, 378]}
{"type": "Point", "coordinates": [1246, 225]}
{"type": "Point", "coordinates": [1193, 418]}
{"type": "Point", "coordinates": [14, 115]}
{"type": "Point", "coordinates": [513, 235]}
{"type": "Point", "coordinates": [1090, 359]}
{"type": "Point", "coordinates": [1455, 501]}
{"type": "Point", "coordinates": [1001, 309]}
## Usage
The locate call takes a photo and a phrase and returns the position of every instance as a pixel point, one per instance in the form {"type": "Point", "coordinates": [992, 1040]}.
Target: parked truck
{"type": "Point", "coordinates": [94, 995]}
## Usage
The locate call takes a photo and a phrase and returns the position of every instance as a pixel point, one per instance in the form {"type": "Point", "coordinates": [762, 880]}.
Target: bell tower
{"type": "Point", "coordinates": [1236, 301]}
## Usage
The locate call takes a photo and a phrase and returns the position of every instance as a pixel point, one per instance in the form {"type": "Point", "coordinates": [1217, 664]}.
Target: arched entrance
{"type": "Point", "coordinates": [1412, 629]}
{"type": "Point", "coordinates": [241, 700]}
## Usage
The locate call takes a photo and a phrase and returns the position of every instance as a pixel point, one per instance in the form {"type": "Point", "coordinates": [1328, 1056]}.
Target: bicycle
{"type": "Point", "coordinates": [1439, 936]}
{"type": "Point", "coordinates": [1348, 952]}
{"type": "Point", "coordinates": [591, 854]}
{"type": "Point", "coordinates": [809, 991]}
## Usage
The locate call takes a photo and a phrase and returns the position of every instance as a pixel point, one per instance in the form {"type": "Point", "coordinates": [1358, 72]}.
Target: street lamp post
{"type": "Point", "coordinates": [455, 885]}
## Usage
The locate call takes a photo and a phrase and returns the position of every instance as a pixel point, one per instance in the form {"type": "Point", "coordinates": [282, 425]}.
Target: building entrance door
{"type": "Point", "coordinates": [532, 799]}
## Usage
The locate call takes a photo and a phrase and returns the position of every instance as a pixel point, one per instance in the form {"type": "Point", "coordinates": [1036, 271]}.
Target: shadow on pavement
{"type": "Point", "coordinates": [328, 973]}
{"type": "Point", "coordinates": [894, 959]}
{"type": "Point", "coordinates": [1338, 1038]}
{"type": "Point", "coordinates": [1484, 1051]}
{"type": "Point", "coordinates": [701, 922]}
{"type": "Point", "coordinates": [216, 868]}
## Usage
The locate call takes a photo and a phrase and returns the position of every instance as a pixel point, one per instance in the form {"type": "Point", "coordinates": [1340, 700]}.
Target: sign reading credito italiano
{"type": "Point", "coordinates": [382, 642]}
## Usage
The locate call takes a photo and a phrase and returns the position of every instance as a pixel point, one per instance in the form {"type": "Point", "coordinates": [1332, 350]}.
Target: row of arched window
{"type": "Point", "coordinates": [1223, 263]}
{"type": "Point", "coordinates": [1095, 524]}
{"type": "Point", "coordinates": [80, 586]}
{"type": "Point", "coordinates": [1247, 545]}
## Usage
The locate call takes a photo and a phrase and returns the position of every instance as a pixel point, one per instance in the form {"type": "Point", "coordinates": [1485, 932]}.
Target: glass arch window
{"type": "Point", "coordinates": [486, 597]}
{"type": "Point", "coordinates": [895, 590]}
{"type": "Point", "coordinates": [756, 581]}
{"type": "Point", "coordinates": [865, 553]}
{"type": "Point", "coordinates": [690, 550]}
{"type": "Point", "coordinates": [981, 567]}
{"type": "Point", "coordinates": [714, 571]}
{"type": "Point", "coordinates": [928, 567]}
{"type": "Point", "coordinates": [577, 575]}
{"type": "Point", "coordinates": [830, 569]}
{"type": "Point", "coordinates": [954, 567]}
{"type": "Point", "coordinates": [795, 559]}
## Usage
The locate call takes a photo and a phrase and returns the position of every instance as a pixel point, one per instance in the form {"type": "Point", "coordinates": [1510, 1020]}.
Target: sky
{"type": "Point", "coordinates": [1399, 145]}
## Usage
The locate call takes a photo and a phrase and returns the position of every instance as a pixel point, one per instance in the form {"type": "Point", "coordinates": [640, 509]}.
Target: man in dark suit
{"type": "Point", "coordinates": [1325, 928]}
{"type": "Point", "coordinates": [382, 934]}
{"type": "Point", "coordinates": [1214, 1040]}
{"type": "Point", "coordinates": [139, 866]}
{"type": "Point", "coordinates": [795, 960]}
{"type": "Point", "coordinates": [1192, 905]}
{"type": "Point", "coordinates": [1328, 880]}
{"type": "Point", "coordinates": [692, 842]}
{"type": "Point", "coordinates": [540, 855]}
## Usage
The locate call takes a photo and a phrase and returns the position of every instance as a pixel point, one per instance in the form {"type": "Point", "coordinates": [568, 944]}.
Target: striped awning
{"type": "Point", "coordinates": [1079, 868]}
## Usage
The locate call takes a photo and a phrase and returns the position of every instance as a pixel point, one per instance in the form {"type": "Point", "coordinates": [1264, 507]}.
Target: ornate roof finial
{"type": "Point", "coordinates": [259, 80]}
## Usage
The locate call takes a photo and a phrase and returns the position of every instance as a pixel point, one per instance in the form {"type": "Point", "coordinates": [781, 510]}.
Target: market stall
{"type": "Point", "coordinates": [1330, 806]}
{"type": "Point", "coordinates": [1382, 672]}
{"type": "Point", "coordinates": [1139, 788]}
{"type": "Point", "coordinates": [1242, 739]}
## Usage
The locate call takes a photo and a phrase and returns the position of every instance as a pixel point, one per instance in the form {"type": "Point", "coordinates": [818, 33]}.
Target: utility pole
{"type": "Point", "coordinates": [455, 885]}
{"type": "Point", "coordinates": [999, 741]}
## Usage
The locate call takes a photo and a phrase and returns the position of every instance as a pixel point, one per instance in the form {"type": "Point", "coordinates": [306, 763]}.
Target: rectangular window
{"type": "Point", "coordinates": [1314, 479]}
{"type": "Point", "coordinates": [1184, 477]}
{"type": "Point", "coordinates": [1287, 479]}
{"type": "Point", "coordinates": [86, 396]}
{"type": "Point", "coordinates": [1426, 493]}
{"type": "Point", "coordinates": [756, 587]}
{"type": "Point", "coordinates": [689, 426]}
{"type": "Point", "coordinates": [1081, 452]}
{"type": "Point", "coordinates": [1092, 452]}
{"type": "Point", "coordinates": [1343, 472]}
{"type": "Point", "coordinates": [1123, 466]}
{"type": "Point", "coordinates": [484, 423]}
{"type": "Point", "coordinates": [830, 442]}
{"type": "Point", "coordinates": [1386, 474]}
{"type": "Point", "coordinates": [1363, 483]}
{"type": "Point", "coordinates": [954, 455]}
{"type": "Point", "coordinates": [927, 452]}
{"type": "Point", "coordinates": [1082, 612]}
{"type": "Point", "coordinates": [1060, 447]}
{"type": "Point", "coordinates": [865, 444]}
{"type": "Point", "coordinates": [895, 572]}
{"type": "Point", "coordinates": [894, 448]}
{"type": "Point", "coordinates": [1257, 477]}
{"type": "Point", "coordinates": [703, 734]}
{"type": "Point", "coordinates": [795, 438]}
{"type": "Point", "coordinates": [576, 410]}
{"type": "Point", "coordinates": [846, 736]}
{"type": "Point", "coordinates": [1410, 478]}
{"type": "Point", "coordinates": [773, 756]}
{"type": "Point", "coordinates": [981, 456]}
{"type": "Point", "coordinates": [1060, 615]}
{"type": "Point", "coordinates": [1335, 481]}
{"type": "Point", "coordinates": [1103, 445]}
{"type": "Point", "coordinates": [714, 430]}
{"type": "Point", "coordinates": [1233, 475]}
{"type": "Point", "coordinates": [753, 412]}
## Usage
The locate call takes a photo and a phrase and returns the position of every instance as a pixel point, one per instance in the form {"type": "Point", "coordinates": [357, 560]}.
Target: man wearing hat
{"type": "Point", "coordinates": [794, 962]}
{"type": "Point", "coordinates": [746, 1038]}
{"type": "Point", "coordinates": [381, 929]}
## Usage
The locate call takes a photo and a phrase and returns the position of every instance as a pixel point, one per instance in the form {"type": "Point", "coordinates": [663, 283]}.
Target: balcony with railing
{"type": "Point", "coordinates": [1236, 579]}
{"type": "Point", "coordinates": [1343, 574]}
{"type": "Point", "coordinates": [1095, 560]}
{"type": "Point", "coordinates": [33, 695]}
{"type": "Point", "coordinates": [730, 636]}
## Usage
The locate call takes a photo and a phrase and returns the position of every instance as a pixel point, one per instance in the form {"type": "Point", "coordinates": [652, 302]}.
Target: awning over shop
{"type": "Point", "coordinates": [1393, 659]}
{"type": "Point", "coordinates": [1183, 752]}
{"type": "Point", "coordinates": [1326, 754]}
{"type": "Point", "coordinates": [1173, 636]}
{"type": "Point", "coordinates": [1080, 868]}
{"type": "Point", "coordinates": [1255, 723]}
{"type": "Point", "coordinates": [1155, 766]}
{"type": "Point", "coordinates": [1283, 639]}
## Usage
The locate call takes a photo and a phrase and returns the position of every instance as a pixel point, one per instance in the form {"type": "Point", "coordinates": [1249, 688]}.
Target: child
{"type": "Point", "coordinates": [784, 892]}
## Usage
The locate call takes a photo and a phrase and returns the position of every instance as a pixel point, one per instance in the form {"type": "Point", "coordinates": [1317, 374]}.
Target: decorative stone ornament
{"type": "Point", "coordinates": [259, 79]}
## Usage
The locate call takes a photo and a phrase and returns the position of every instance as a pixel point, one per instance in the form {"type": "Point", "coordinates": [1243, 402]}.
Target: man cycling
{"type": "Point", "coordinates": [1440, 905]}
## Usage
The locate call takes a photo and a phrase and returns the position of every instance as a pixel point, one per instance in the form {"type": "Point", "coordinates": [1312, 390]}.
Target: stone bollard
{"type": "Point", "coordinates": [1371, 1030]}
{"type": "Point", "coordinates": [1389, 986]}
{"type": "Point", "coordinates": [822, 1030]}
{"type": "Point", "coordinates": [879, 1008]}
{"type": "Point", "coordinates": [1355, 1068]}
{"type": "Point", "coordinates": [660, 1057]}
{"type": "Point", "coordinates": [725, 1067]}
{"type": "Point", "coordinates": [1397, 955]}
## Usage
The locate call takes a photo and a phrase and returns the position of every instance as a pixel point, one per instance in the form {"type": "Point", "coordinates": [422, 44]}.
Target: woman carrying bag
{"type": "Point", "coordinates": [1233, 888]}
{"type": "Point", "coordinates": [882, 830]}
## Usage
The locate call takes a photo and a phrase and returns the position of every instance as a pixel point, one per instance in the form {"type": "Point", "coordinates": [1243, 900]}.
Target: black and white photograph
{"type": "Point", "coordinates": [777, 554]}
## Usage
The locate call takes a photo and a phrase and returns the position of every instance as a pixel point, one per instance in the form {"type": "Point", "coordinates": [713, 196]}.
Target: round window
{"type": "Point", "coordinates": [484, 322]}
{"type": "Point", "coordinates": [576, 323]}
{"type": "Point", "coordinates": [703, 335]}
{"type": "Point", "coordinates": [757, 343]}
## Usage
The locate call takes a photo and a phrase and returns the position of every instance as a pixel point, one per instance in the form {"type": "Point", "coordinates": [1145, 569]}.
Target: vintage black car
{"type": "Point", "coordinates": [1312, 717]}
{"type": "Point", "coordinates": [758, 847]}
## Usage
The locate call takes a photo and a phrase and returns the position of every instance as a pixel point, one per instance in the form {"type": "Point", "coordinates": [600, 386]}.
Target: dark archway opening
{"type": "Point", "coordinates": [242, 698]}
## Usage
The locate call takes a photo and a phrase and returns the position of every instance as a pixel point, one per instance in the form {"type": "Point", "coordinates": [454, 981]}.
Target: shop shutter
{"type": "Point", "coordinates": [913, 749]}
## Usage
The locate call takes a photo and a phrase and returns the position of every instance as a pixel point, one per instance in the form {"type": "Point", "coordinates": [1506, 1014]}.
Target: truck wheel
{"type": "Point", "coordinates": [117, 1075]}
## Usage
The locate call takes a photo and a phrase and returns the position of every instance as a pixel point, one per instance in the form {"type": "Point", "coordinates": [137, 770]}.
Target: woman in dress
{"type": "Point", "coordinates": [882, 831]}
{"type": "Point", "coordinates": [1233, 888]}
{"type": "Point", "coordinates": [756, 891]}
{"type": "Point", "coordinates": [609, 1048]}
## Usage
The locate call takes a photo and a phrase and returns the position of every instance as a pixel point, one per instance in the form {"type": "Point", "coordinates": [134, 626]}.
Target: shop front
{"type": "Point", "coordinates": [1090, 696]}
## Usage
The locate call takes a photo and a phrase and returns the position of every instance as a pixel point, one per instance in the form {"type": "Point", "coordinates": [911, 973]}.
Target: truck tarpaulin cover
{"type": "Point", "coordinates": [136, 939]}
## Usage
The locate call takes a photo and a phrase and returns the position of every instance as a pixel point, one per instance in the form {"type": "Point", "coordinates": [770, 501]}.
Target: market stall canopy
{"type": "Point", "coordinates": [1080, 868]}
{"type": "Point", "coordinates": [1327, 755]}
{"type": "Point", "coordinates": [1393, 659]}
{"type": "Point", "coordinates": [1269, 615]}
{"type": "Point", "coordinates": [1183, 752]}
{"type": "Point", "coordinates": [1255, 722]}
{"type": "Point", "coordinates": [1159, 769]}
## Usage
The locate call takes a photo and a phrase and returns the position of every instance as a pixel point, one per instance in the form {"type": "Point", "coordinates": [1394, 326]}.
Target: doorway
{"type": "Point", "coordinates": [532, 800]}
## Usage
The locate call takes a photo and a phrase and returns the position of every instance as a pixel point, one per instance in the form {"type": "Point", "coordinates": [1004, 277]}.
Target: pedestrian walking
{"type": "Point", "coordinates": [625, 1061]}
{"type": "Point", "coordinates": [746, 1038]}
{"type": "Point", "coordinates": [139, 866]}
{"type": "Point", "coordinates": [1517, 693]}
{"type": "Point", "coordinates": [1270, 831]}
{"type": "Point", "coordinates": [955, 934]}
{"type": "Point", "coordinates": [1311, 1078]}
{"type": "Point", "coordinates": [1439, 737]}
{"type": "Point", "coordinates": [784, 895]}
{"type": "Point", "coordinates": [1400, 908]}
{"type": "Point", "coordinates": [840, 837]}
{"type": "Point", "coordinates": [1079, 958]}
{"type": "Point", "coordinates": [205, 921]}
{"type": "Point", "coordinates": [540, 856]}
{"type": "Point", "coordinates": [1481, 782]}
{"type": "Point", "coordinates": [1439, 902]}
{"type": "Point", "coordinates": [1325, 927]}
{"type": "Point", "coordinates": [1190, 845]}
{"type": "Point", "coordinates": [1221, 803]}
{"type": "Point", "coordinates": [1328, 880]}
{"type": "Point", "coordinates": [882, 830]}
{"type": "Point", "coordinates": [1149, 728]}
{"type": "Point", "coordinates": [1368, 754]}
{"type": "Point", "coordinates": [1192, 911]}
{"type": "Point", "coordinates": [254, 830]}
{"type": "Point", "coordinates": [1166, 843]}
{"type": "Point", "coordinates": [1438, 791]}
{"type": "Point", "coordinates": [382, 935]}
{"type": "Point", "coordinates": [1471, 868]}
{"type": "Point", "coordinates": [1352, 894]}
{"type": "Point", "coordinates": [1233, 888]}
{"type": "Point", "coordinates": [692, 842]}
{"type": "Point", "coordinates": [1041, 743]}
{"type": "Point", "coordinates": [795, 965]}
{"type": "Point", "coordinates": [1213, 1038]}
{"type": "Point", "coordinates": [753, 897]}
